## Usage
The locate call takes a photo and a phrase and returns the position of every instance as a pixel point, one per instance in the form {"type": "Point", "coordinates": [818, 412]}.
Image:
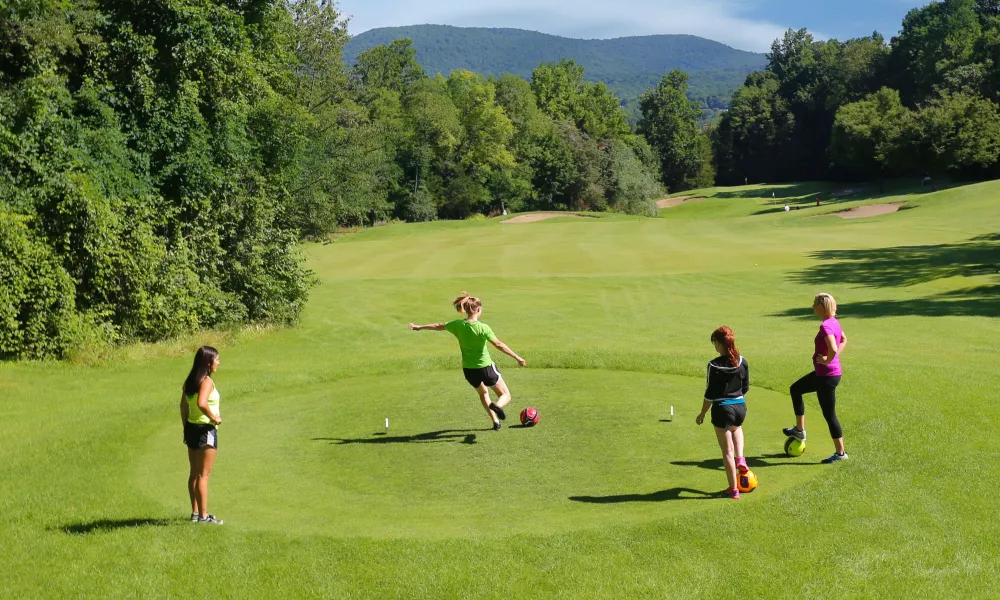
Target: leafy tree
{"type": "Point", "coordinates": [669, 123]}
{"type": "Point", "coordinates": [867, 135]}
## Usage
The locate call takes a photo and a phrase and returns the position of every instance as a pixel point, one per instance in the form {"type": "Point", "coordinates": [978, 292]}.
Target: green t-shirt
{"type": "Point", "coordinates": [472, 338]}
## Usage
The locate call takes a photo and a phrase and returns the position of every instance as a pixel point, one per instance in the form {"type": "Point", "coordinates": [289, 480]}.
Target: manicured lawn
{"type": "Point", "coordinates": [605, 498]}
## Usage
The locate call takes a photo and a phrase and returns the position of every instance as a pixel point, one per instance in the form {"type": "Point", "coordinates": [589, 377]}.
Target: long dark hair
{"type": "Point", "coordinates": [201, 369]}
{"type": "Point", "coordinates": [727, 338]}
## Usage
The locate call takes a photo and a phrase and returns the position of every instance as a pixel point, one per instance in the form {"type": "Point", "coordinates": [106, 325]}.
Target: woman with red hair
{"type": "Point", "coordinates": [727, 382]}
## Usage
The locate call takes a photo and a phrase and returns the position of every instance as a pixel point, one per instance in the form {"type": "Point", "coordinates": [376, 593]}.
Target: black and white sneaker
{"type": "Point", "coordinates": [194, 517]}
{"type": "Point", "coordinates": [210, 520]}
{"type": "Point", "coordinates": [793, 432]}
{"type": "Point", "coordinates": [497, 426]}
{"type": "Point", "coordinates": [499, 411]}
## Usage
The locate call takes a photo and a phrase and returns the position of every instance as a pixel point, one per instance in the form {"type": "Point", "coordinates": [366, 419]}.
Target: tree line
{"type": "Point", "coordinates": [161, 159]}
{"type": "Point", "coordinates": [922, 104]}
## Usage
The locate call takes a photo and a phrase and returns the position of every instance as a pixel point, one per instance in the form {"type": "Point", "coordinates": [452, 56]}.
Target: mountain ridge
{"type": "Point", "coordinates": [628, 65]}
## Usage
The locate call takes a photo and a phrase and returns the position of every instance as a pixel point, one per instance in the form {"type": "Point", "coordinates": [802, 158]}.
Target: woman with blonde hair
{"type": "Point", "coordinates": [829, 344]}
{"type": "Point", "coordinates": [727, 383]}
{"type": "Point", "coordinates": [480, 371]}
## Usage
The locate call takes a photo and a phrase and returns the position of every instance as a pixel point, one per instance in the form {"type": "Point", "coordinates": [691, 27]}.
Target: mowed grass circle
{"type": "Point", "coordinates": [320, 461]}
{"type": "Point", "coordinates": [601, 499]}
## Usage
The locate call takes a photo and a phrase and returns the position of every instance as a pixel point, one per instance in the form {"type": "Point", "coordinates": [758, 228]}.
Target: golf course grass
{"type": "Point", "coordinates": [607, 497]}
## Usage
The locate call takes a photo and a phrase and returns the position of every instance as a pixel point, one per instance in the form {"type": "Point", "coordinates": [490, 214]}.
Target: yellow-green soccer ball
{"type": "Point", "coordinates": [794, 447]}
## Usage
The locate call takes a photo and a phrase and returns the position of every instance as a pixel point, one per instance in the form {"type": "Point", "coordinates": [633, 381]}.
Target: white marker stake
{"type": "Point", "coordinates": [387, 423]}
{"type": "Point", "coordinates": [671, 412]}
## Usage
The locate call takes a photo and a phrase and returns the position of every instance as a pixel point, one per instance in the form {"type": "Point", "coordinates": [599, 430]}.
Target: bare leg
{"type": "Point", "coordinates": [738, 440]}
{"type": "Point", "coordinates": [484, 397]}
{"type": "Point", "coordinates": [194, 458]}
{"type": "Point", "coordinates": [728, 461]}
{"type": "Point", "coordinates": [800, 422]}
{"type": "Point", "coordinates": [503, 394]}
{"type": "Point", "coordinates": [207, 462]}
{"type": "Point", "coordinates": [838, 445]}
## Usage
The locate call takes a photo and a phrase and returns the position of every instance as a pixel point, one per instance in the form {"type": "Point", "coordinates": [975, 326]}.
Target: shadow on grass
{"type": "Point", "coordinates": [904, 266]}
{"type": "Point", "coordinates": [806, 195]}
{"type": "Point", "coordinates": [462, 436]}
{"type": "Point", "coordinates": [106, 525]}
{"type": "Point", "coordinates": [754, 462]}
{"type": "Point", "coordinates": [660, 496]}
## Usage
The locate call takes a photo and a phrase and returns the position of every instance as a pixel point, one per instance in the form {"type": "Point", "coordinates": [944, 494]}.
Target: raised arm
{"type": "Point", "coordinates": [431, 327]}
{"type": "Point", "coordinates": [502, 347]}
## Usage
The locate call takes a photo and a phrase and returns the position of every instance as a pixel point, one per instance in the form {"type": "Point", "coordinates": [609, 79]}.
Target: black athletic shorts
{"type": "Point", "coordinates": [730, 415]}
{"type": "Point", "coordinates": [198, 436]}
{"type": "Point", "coordinates": [477, 377]}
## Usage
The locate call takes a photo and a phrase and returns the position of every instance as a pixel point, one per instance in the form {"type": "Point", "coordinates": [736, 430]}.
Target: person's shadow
{"type": "Point", "coordinates": [462, 436]}
{"type": "Point", "coordinates": [677, 493]}
{"type": "Point", "coordinates": [107, 525]}
{"type": "Point", "coordinates": [754, 462]}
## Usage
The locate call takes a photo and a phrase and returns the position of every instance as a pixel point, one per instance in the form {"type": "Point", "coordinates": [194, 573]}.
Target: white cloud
{"type": "Point", "coordinates": [725, 21]}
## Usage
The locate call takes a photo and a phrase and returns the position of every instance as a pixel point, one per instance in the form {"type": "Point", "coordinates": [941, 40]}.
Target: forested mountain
{"type": "Point", "coordinates": [629, 66]}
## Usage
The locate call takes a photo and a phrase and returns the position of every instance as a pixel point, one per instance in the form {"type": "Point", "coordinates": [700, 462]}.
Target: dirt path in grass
{"type": "Point", "coordinates": [871, 210]}
{"type": "Point", "coordinates": [534, 217]}
{"type": "Point", "coordinates": [672, 202]}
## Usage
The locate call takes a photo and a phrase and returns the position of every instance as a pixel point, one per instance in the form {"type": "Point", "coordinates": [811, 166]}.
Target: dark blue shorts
{"type": "Point", "coordinates": [728, 416]}
{"type": "Point", "coordinates": [197, 436]}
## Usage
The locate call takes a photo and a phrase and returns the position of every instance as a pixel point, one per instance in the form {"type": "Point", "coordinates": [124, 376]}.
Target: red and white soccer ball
{"type": "Point", "coordinates": [529, 417]}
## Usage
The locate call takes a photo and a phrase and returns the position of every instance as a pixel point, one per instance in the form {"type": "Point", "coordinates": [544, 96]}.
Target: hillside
{"type": "Point", "coordinates": [627, 65]}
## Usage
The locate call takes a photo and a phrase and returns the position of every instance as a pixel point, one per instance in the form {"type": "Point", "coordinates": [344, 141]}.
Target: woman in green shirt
{"type": "Point", "coordinates": [479, 369]}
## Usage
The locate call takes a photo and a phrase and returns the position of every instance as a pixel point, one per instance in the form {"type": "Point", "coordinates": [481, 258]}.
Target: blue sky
{"type": "Point", "coordinates": [745, 24]}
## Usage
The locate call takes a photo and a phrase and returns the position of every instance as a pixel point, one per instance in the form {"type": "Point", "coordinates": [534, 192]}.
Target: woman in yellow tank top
{"type": "Point", "coordinates": [201, 418]}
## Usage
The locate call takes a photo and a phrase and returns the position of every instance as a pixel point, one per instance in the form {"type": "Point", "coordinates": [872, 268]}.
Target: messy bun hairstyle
{"type": "Point", "coordinates": [467, 304]}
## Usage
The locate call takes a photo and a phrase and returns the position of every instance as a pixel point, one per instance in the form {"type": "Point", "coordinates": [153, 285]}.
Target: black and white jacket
{"type": "Point", "coordinates": [724, 381]}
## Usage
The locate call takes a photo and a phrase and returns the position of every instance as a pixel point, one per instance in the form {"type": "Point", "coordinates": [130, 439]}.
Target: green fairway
{"type": "Point", "coordinates": [606, 497]}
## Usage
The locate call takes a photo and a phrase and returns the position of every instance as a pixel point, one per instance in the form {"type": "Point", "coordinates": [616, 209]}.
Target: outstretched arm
{"type": "Point", "coordinates": [431, 327]}
{"type": "Point", "coordinates": [502, 347]}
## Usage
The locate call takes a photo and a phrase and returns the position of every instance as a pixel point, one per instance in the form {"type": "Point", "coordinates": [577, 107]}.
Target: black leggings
{"type": "Point", "coordinates": [826, 392]}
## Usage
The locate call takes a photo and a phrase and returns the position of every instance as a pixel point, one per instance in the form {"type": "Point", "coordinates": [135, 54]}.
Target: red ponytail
{"type": "Point", "coordinates": [727, 338]}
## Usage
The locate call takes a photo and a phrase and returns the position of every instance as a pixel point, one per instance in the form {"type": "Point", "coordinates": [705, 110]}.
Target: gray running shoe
{"type": "Point", "coordinates": [210, 520]}
{"type": "Point", "coordinates": [793, 432]}
{"type": "Point", "coordinates": [835, 458]}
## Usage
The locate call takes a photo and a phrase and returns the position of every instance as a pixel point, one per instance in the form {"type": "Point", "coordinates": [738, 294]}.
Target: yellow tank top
{"type": "Point", "coordinates": [194, 413]}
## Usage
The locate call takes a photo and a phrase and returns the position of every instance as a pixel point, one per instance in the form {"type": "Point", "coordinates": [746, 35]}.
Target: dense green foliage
{"type": "Point", "coordinates": [628, 66]}
{"type": "Point", "coordinates": [923, 104]}
{"type": "Point", "coordinates": [160, 159]}
{"type": "Point", "coordinates": [144, 156]}
{"type": "Point", "coordinates": [669, 124]}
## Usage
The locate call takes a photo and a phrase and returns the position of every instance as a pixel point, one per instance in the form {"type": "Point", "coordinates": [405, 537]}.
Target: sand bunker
{"type": "Point", "coordinates": [533, 217]}
{"type": "Point", "coordinates": [871, 210]}
{"type": "Point", "coordinates": [672, 202]}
